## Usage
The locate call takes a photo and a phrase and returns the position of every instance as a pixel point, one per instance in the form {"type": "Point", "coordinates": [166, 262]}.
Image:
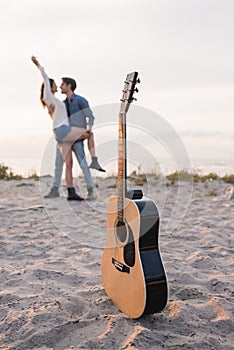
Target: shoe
{"type": "Point", "coordinates": [72, 195]}
{"type": "Point", "coordinates": [54, 192]}
{"type": "Point", "coordinates": [95, 165]}
{"type": "Point", "coordinates": [75, 197]}
{"type": "Point", "coordinates": [90, 195]}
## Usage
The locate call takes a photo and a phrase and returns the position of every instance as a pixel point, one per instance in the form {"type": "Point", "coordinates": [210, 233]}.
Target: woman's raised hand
{"type": "Point", "coordinates": [35, 61]}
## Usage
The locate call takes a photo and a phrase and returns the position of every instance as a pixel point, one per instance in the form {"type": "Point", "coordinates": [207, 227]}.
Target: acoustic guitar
{"type": "Point", "coordinates": [132, 270]}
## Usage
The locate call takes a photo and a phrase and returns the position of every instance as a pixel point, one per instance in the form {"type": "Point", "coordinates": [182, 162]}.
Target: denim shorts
{"type": "Point", "coordinates": [61, 132]}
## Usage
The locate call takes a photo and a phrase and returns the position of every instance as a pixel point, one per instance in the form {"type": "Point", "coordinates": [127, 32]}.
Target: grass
{"type": "Point", "coordinates": [184, 175]}
{"type": "Point", "coordinates": [24, 184]}
{"type": "Point", "coordinates": [228, 178]}
{"type": "Point", "coordinates": [6, 173]}
{"type": "Point", "coordinates": [211, 193]}
{"type": "Point", "coordinates": [33, 175]}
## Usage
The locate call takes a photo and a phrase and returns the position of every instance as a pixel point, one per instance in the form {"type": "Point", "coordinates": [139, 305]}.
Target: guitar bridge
{"type": "Point", "coordinates": [119, 266]}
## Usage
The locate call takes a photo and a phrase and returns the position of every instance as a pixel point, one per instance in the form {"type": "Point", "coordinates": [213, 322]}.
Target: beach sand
{"type": "Point", "coordinates": [52, 295]}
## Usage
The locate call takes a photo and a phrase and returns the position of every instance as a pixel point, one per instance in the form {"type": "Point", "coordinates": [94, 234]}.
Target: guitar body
{"type": "Point", "coordinates": [132, 270]}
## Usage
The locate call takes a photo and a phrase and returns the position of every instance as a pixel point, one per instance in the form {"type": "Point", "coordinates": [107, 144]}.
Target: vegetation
{"type": "Point", "coordinates": [228, 178]}
{"type": "Point", "coordinates": [7, 174]}
{"type": "Point", "coordinates": [211, 193]}
{"type": "Point", "coordinates": [139, 179]}
{"type": "Point", "coordinates": [33, 175]}
{"type": "Point", "coordinates": [184, 175]}
{"type": "Point", "coordinates": [23, 184]}
{"type": "Point", "coordinates": [208, 177]}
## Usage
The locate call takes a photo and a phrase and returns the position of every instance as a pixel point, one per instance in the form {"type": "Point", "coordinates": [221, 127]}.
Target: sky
{"type": "Point", "coordinates": [182, 49]}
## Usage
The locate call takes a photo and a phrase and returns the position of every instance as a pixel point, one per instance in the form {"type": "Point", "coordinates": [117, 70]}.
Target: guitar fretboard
{"type": "Point", "coordinates": [127, 98]}
{"type": "Point", "coordinates": [121, 166]}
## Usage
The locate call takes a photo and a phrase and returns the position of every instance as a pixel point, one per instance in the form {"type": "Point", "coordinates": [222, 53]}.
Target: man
{"type": "Point", "coordinates": [79, 113]}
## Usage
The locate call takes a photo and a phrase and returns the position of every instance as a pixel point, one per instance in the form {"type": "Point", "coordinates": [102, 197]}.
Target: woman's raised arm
{"type": "Point", "coordinates": [48, 96]}
{"type": "Point", "coordinates": [35, 61]}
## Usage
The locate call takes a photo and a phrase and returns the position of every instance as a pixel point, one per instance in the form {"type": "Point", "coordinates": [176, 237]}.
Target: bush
{"type": "Point", "coordinates": [228, 178]}
{"type": "Point", "coordinates": [33, 175]}
{"type": "Point", "coordinates": [210, 176]}
{"type": "Point", "coordinates": [3, 172]}
{"type": "Point", "coordinates": [7, 174]}
{"type": "Point", "coordinates": [182, 175]}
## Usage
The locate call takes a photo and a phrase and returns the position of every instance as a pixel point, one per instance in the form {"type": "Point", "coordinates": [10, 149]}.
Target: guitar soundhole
{"type": "Point", "coordinates": [121, 231]}
{"type": "Point", "coordinates": [125, 236]}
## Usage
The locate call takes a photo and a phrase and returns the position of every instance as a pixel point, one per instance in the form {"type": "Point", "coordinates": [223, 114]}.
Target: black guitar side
{"type": "Point", "coordinates": [154, 273]}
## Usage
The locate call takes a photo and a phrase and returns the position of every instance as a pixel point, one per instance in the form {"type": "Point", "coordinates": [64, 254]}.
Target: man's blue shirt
{"type": "Point", "coordinates": [79, 112]}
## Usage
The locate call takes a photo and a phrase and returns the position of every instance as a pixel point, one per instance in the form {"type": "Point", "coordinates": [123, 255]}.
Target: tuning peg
{"type": "Point", "coordinates": [138, 81]}
{"type": "Point", "coordinates": [136, 90]}
{"type": "Point", "coordinates": [133, 99]}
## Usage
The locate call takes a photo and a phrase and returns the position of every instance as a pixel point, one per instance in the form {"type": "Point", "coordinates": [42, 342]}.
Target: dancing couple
{"type": "Point", "coordinates": [70, 129]}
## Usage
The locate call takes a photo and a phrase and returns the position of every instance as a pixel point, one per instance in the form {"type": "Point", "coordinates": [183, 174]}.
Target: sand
{"type": "Point", "coordinates": [52, 295]}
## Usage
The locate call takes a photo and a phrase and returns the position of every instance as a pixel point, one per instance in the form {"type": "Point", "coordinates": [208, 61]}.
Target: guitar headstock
{"type": "Point", "coordinates": [128, 91]}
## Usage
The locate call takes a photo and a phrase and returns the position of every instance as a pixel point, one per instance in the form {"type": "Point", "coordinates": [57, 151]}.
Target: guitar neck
{"type": "Point", "coordinates": [127, 98]}
{"type": "Point", "coordinates": [122, 166]}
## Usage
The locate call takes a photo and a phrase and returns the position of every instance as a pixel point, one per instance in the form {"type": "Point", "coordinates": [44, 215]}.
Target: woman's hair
{"type": "Point", "coordinates": [42, 92]}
